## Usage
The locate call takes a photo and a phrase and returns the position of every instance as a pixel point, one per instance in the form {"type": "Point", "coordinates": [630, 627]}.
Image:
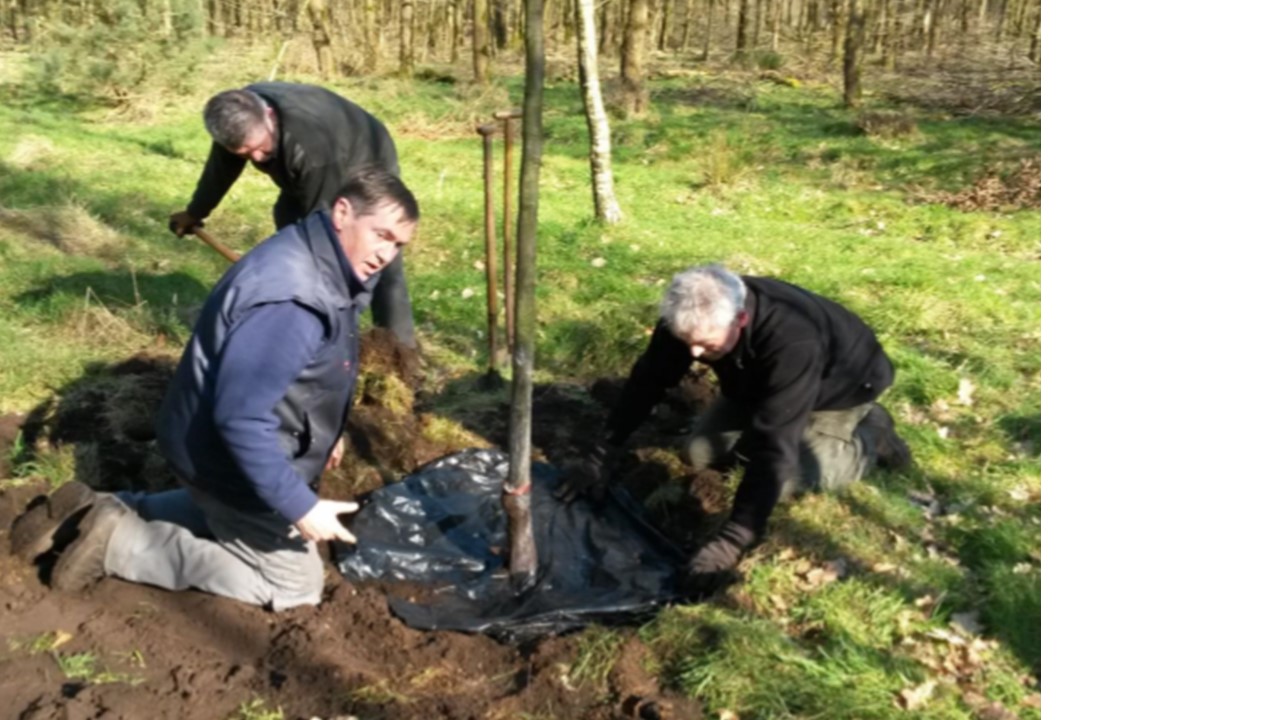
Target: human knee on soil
{"type": "Point", "coordinates": [253, 416]}
{"type": "Point", "coordinates": [798, 374]}
{"type": "Point", "coordinates": [306, 139]}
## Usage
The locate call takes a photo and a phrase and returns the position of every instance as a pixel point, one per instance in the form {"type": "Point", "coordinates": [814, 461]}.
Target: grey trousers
{"type": "Point", "coordinates": [187, 539]}
{"type": "Point", "coordinates": [832, 453]}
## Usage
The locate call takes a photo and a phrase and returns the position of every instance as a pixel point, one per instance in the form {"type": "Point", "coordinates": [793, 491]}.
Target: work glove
{"type": "Point", "coordinates": [182, 223]}
{"type": "Point", "coordinates": [712, 566]}
{"type": "Point", "coordinates": [588, 476]}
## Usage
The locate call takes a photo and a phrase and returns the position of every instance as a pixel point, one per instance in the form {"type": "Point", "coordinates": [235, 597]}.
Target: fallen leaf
{"type": "Point", "coordinates": [944, 635]}
{"type": "Point", "coordinates": [726, 715]}
{"type": "Point", "coordinates": [478, 265]}
{"type": "Point", "coordinates": [1032, 700]}
{"type": "Point", "coordinates": [913, 698]}
{"type": "Point", "coordinates": [467, 292]}
{"type": "Point", "coordinates": [965, 395]}
{"type": "Point", "coordinates": [943, 432]}
{"type": "Point", "coordinates": [598, 262]}
{"type": "Point", "coordinates": [883, 567]}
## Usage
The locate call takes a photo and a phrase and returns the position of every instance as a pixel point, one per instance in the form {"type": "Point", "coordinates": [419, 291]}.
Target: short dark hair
{"type": "Point", "coordinates": [231, 114]}
{"type": "Point", "coordinates": [368, 187]}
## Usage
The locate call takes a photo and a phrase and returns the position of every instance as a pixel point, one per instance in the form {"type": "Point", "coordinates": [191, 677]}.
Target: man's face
{"type": "Point", "coordinates": [260, 142]}
{"type": "Point", "coordinates": [371, 241]}
{"type": "Point", "coordinates": [709, 344]}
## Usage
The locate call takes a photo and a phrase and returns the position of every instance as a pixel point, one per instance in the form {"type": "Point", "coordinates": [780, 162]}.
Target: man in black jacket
{"type": "Point", "coordinates": [253, 416]}
{"type": "Point", "coordinates": [308, 140]}
{"type": "Point", "coordinates": [798, 375]}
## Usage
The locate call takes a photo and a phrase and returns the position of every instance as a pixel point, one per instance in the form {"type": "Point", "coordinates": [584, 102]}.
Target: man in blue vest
{"type": "Point", "coordinates": [252, 417]}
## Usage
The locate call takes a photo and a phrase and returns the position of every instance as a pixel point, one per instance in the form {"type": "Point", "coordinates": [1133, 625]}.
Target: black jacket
{"type": "Point", "coordinates": [321, 138]}
{"type": "Point", "coordinates": [300, 264]}
{"type": "Point", "coordinates": [799, 352]}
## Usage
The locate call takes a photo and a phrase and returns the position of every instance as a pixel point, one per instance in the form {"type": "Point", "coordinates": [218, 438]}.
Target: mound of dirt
{"type": "Point", "coordinates": [122, 650]}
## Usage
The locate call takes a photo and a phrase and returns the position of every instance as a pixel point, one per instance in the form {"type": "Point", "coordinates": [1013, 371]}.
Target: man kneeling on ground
{"type": "Point", "coordinates": [798, 375]}
{"type": "Point", "coordinates": [254, 414]}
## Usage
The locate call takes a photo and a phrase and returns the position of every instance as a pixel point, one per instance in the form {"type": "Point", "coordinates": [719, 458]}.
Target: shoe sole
{"type": "Point", "coordinates": [37, 531]}
{"type": "Point", "coordinates": [81, 564]}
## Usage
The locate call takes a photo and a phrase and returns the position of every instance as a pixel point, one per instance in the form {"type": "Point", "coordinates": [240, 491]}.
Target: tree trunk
{"type": "Point", "coordinates": [931, 34]}
{"type": "Point", "coordinates": [370, 27]}
{"type": "Point", "coordinates": [635, 97]}
{"type": "Point", "coordinates": [480, 41]}
{"type": "Point", "coordinates": [706, 40]}
{"type": "Point", "coordinates": [662, 31]}
{"type": "Point", "coordinates": [455, 29]}
{"type": "Point", "coordinates": [1033, 52]}
{"type": "Point", "coordinates": [607, 210]}
{"type": "Point", "coordinates": [524, 556]}
{"type": "Point", "coordinates": [684, 23]}
{"type": "Point", "coordinates": [406, 38]}
{"type": "Point", "coordinates": [744, 20]}
{"type": "Point", "coordinates": [775, 21]}
{"type": "Point", "coordinates": [853, 54]}
{"type": "Point", "coordinates": [839, 18]}
{"type": "Point", "coordinates": [499, 19]}
{"type": "Point", "coordinates": [321, 38]}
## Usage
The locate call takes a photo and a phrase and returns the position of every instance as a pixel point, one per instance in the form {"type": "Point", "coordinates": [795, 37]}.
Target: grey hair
{"type": "Point", "coordinates": [706, 296]}
{"type": "Point", "coordinates": [230, 115]}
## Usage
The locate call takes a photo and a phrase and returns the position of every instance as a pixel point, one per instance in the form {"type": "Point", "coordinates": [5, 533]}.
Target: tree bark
{"type": "Point", "coordinates": [406, 38]}
{"type": "Point", "coordinates": [370, 26]}
{"type": "Point", "coordinates": [321, 38]}
{"type": "Point", "coordinates": [524, 556]}
{"type": "Point", "coordinates": [662, 31]}
{"type": "Point", "coordinates": [635, 96]}
{"type": "Point", "coordinates": [706, 40]}
{"type": "Point", "coordinates": [1033, 52]}
{"type": "Point", "coordinates": [606, 202]}
{"type": "Point", "coordinates": [499, 22]}
{"type": "Point", "coordinates": [853, 54]}
{"type": "Point", "coordinates": [839, 19]}
{"type": "Point", "coordinates": [744, 21]}
{"type": "Point", "coordinates": [480, 41]}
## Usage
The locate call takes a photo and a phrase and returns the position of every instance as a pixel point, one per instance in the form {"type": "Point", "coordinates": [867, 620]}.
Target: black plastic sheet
{"type": "Point", "coordinates": [444, 531]}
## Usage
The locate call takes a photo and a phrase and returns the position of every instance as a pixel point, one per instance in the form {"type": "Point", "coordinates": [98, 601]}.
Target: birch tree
{"type": "Point", "coordinates": [607, 210]}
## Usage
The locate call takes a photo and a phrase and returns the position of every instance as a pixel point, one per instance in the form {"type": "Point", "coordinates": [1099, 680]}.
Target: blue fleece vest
{"type": "Point", "coordinates": [298, 264]}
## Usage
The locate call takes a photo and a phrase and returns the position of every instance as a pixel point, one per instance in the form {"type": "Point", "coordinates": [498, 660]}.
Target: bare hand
{"type": "Point", "coordinates": [322, 522]}
{"type": "Point", "coordinates": [182, 223]}
{"type": "Point", "coordinates": [335, 457]}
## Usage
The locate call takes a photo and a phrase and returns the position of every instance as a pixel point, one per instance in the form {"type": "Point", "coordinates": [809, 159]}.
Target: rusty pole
{"type": "Point", "coordinates": [508, 118]}
{"type": "Point", "coordinates": [490, 265]}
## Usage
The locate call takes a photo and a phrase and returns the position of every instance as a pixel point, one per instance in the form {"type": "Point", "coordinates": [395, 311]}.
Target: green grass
{"type": "Point", "coordinates": [770, 179]}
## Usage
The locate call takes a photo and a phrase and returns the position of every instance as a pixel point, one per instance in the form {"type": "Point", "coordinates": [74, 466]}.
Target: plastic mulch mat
{"type": "Point", "coordinates": [444, 532]}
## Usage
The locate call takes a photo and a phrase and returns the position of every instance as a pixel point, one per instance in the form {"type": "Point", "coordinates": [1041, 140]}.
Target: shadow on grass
{"type": "Point", "coordinates": [166, 302]}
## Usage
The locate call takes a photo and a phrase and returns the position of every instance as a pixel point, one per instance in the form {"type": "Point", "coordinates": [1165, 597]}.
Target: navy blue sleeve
{"type": "Point", "coordinates": [264, 353]}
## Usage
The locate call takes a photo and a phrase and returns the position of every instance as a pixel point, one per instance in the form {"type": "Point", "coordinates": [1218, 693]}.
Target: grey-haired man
{"type": "Point", "coordinates": [308, 140]}
{"type": "Point", "coordinates": [798, 376]}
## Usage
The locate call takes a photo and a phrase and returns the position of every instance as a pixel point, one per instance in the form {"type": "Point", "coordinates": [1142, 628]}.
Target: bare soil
{"type": "Point", "coordinates": [159, 654]}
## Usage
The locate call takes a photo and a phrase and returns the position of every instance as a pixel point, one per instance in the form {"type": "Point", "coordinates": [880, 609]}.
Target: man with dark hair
{"type": "Point", "coordinates": [799, 375]}
{"type": "Point", "coordinates": [252, 417]}
{"type": "Point", "coordinates": [307, 139]}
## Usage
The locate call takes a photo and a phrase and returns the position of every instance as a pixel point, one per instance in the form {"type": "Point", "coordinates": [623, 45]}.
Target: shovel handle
{"type": "Point", "coordinates": [225, 251]}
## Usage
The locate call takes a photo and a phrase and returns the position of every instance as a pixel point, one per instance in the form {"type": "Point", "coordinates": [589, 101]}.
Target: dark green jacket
{"type": "Point", "coordinates": [321, 139]}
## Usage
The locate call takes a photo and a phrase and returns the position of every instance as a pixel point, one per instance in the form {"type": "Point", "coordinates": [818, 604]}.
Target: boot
{"type": "Point", "coordinates": [84, 561]}
{"type": "Point", "coordinates": [36, 531]}
{"type": "Point", "coordinates": [879, 437]}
